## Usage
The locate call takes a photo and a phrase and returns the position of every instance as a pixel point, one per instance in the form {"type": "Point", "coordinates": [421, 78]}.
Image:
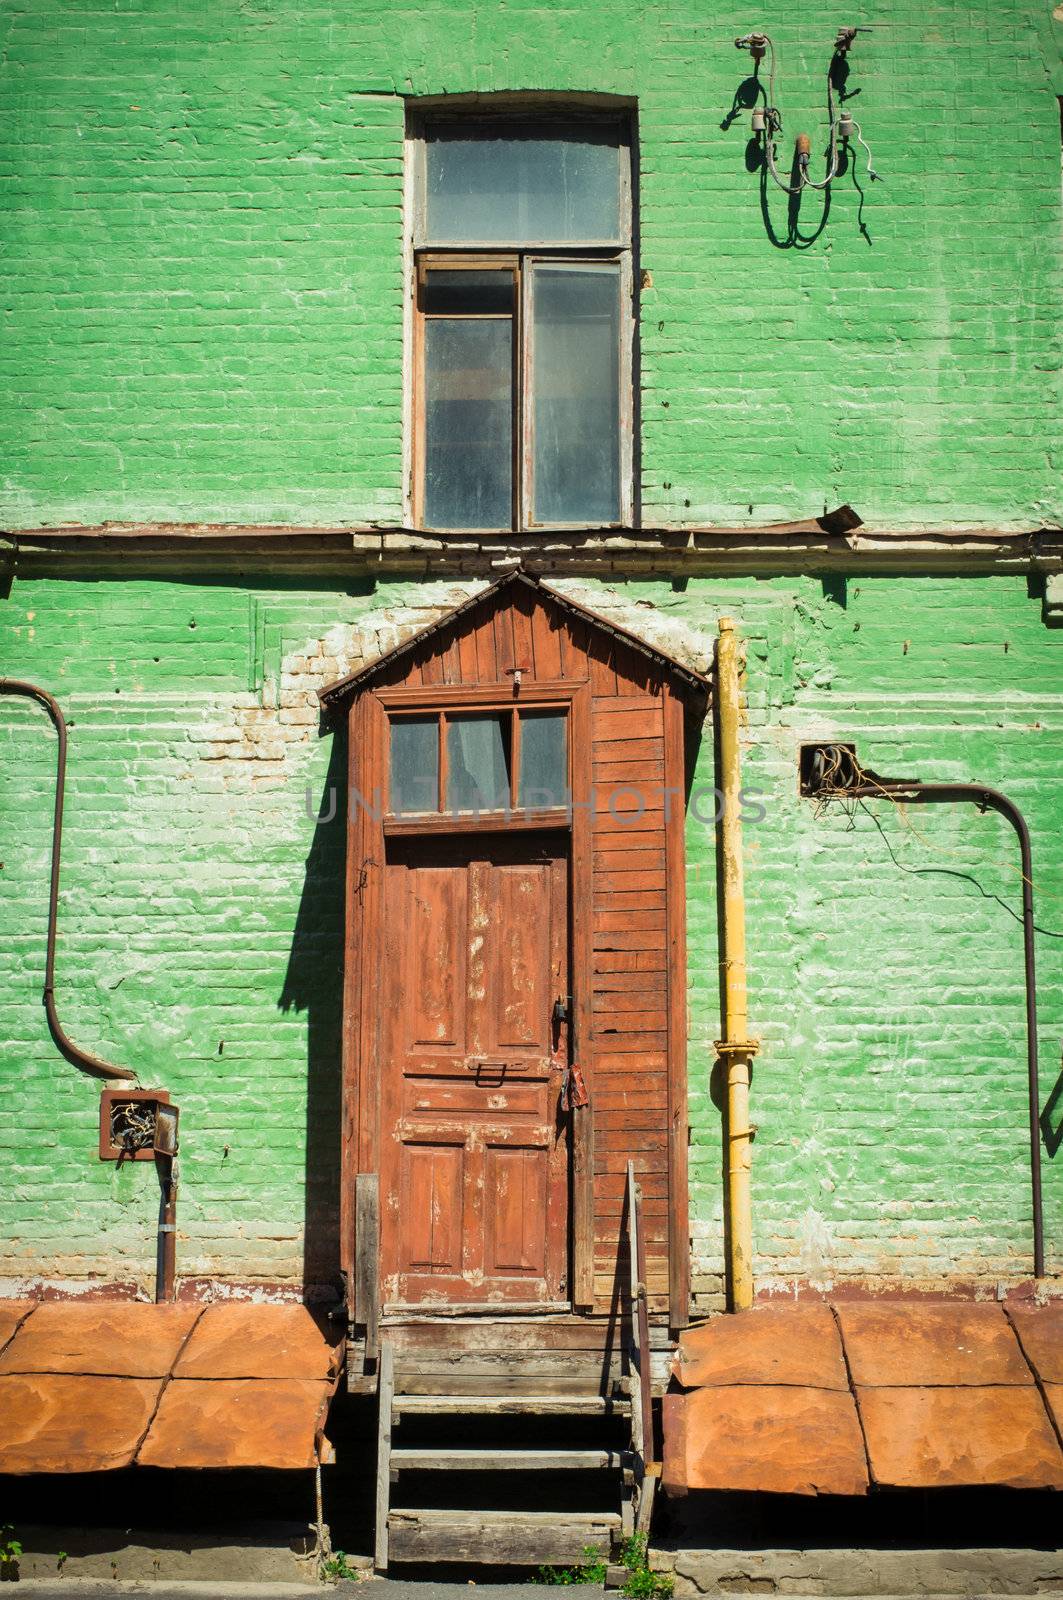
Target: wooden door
{"type": "Point", "coordinates": [474, 1146]}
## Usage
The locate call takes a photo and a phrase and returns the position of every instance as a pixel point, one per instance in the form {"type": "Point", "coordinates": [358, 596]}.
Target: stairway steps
{"type": "Point", "coordinates": [503, 1538]}
{"type": "Point", "coordinates": [555, 1427]}
{"type": "Point", "coordinates": [515, 1404]}
{"type": "Point", "coordinates": [457, 1378]}
{"type": "Point", "coordinates": [431, 1459]}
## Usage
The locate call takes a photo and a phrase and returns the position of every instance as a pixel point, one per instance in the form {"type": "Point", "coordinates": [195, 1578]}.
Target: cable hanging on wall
{"type": "Point", "coordinates": [767, 119]}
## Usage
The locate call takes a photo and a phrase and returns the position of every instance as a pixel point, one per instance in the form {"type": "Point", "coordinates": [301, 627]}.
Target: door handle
{"type": "Point", "coordinates": [495, 1066]}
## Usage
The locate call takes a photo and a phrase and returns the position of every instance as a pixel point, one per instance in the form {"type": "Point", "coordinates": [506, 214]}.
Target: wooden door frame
{"type": "Point", "coordinates": [367, 832]}
{"type": "Point", "coordinates": [364, 941]}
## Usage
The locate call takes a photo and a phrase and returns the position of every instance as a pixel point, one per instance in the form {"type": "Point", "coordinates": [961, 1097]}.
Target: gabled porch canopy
{"type": "Point", "coordinates": [692, 685]}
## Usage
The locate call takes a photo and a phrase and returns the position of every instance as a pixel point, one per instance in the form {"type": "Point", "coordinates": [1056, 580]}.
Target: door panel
{"type": "Point", "coordinates": [474, 1149]}
{"type": "Point", "coordinates": [516, 1181]}
{"type": "Point", "coordinates": [435, 912]}
{"type": "Point", "coordinates": [521, 966]}
{"type": "Point", "coordinates": [431, 1201]}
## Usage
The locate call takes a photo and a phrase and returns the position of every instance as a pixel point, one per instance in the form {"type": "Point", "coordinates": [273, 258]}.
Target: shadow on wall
{"type": "Point", "coordinates": [314, 983]}
{"type": "Point", "coordinates": [1052, 1118]}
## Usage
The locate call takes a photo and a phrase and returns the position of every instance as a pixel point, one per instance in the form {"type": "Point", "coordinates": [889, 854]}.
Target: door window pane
{"type": "Point", "coordinates": [576, 394]}
{"type": "Point", "coordinates": [414, 765]}
{"type": "Point", "coordinates": [504, 184]}
{"type": "Point", "coordinates": [477, 763]}
{"type": "Point", "coordinates": [468, 473]}
{"type": "Point", "coordinates": [543, 763]}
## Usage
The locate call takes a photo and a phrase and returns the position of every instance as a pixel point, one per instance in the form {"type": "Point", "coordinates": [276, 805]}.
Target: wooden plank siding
{"type": "Point", "coordinates": [630, 1002]}
{"type": "Point", "coordinates": [627, 935]}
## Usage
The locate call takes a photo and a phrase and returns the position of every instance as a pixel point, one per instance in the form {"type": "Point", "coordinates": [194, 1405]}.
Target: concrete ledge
{"type": "Point", "coordinates": [277, 1552]}
{"type": "Point", "coordinates": [97, 1588]}
{"type": "Point", "coordinates": [814, 545]}
{"type": "Point", "coordinates": [863, 1572]}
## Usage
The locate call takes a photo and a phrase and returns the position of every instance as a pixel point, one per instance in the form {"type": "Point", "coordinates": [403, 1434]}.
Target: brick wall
{"type": "Point", "coordinates": [203, 241]}
{"type": "Point", "coordinates": [886, 976]}
{"type": "Point", "coordinates": [201, 913]}
{"type": "Point", "coordinates": [202, 319]}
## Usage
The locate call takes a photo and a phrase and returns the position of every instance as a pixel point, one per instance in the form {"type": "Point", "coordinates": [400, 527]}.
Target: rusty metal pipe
{"type": "Point", "coordinates": [81, 1059]}
{"type": "Point", "coordinates": [987, 799]}
{"type": "Point", "coordinates": [735, 1049]}
{"type": "Point", "coordinates": [166, 1239]}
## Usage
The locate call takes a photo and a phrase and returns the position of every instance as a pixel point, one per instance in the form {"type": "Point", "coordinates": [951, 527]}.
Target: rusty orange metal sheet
{"type": "Point", "coordinates": [247, 1422]}
{"type": "Point", "coordinates": [776, 1344]}
{"type": "Point", "coordinates": [258, 1341]}
{"type": "Point", "coordinates": [960, 1437]}
{"type": "Point", "coordinates": [1040, 1331]}
{"type": "Point", "coordinates": [55, 1422]}
{"type": "Point", "coordinates": [1054, 1401]}
{"type": "Point", "coordinates": [908, 1344]}
{"type": "Point", "coordinates": [771, 1438]}
{"type": "Point", "coordinates": [12, 1313]}
{"type": "Point", "coordinates": [121, 1339]}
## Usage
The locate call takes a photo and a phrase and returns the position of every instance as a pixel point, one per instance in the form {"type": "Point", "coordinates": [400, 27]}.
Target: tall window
{"type": "Point", "coordinates": [522, 410]}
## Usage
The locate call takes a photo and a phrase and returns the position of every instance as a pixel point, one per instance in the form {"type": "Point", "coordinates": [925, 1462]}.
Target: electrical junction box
{"type": "Point", "coordinates": [137, 1124]}
{"type": "Point", "coordinates": [826, 768]}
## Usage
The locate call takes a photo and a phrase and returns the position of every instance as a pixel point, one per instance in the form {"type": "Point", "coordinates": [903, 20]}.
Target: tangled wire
{"type": "Point", "coordinates": [132, 1126]}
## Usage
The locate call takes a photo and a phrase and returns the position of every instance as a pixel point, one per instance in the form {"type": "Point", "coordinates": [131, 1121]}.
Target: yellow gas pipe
{"type": "Point", "coordinates": [735, 1049]}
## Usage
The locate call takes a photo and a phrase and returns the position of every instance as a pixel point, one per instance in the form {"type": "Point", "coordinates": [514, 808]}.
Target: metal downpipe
{"type": "Point", "coordinates": [735, 1049]}
{"type": "Point", "coordinates": [166, 1235]}
{"type": "Point", "coordinates": [81, 1059]}
{"type": "Point", "coordinates": [992, 800]}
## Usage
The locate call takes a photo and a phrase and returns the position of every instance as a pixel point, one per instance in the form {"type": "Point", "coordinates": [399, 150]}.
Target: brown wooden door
{"type": "Point", "coordinates": [474, 1148]}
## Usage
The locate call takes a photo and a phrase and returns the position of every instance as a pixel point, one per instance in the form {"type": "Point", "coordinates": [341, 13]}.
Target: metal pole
{"type": "Point", "coordinates": [736, 1049]}
{"type": "Point", "coordinates": [992, 800]}
{"type": "Point", "coordinates": [166, 1241]}
{"type": "Point", "coordinates": [74, 1053]}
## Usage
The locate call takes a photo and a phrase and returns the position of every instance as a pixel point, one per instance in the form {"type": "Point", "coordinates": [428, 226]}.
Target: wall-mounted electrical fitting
{"type": "Point", "coordinates": [136, 1124]}
{"type": "Point", "coordinates": [826, 769]}
{"type": "Point", "coordinates": [755, 43]}
{"type": "Point", "coordinates": [141, 1125]}
{"type": "Point", "coordinates": [829, 772]}
{"type": "Point", "coordinates": [766, 119]}
{"type": "Point", "coordinates": [846, 39]}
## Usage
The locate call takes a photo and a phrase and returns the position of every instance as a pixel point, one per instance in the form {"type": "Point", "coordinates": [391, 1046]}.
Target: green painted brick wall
{"type": "Point", "coordinates": [201, 916]}
{"type": "Point", "coordinates": [202, 319]}
{"type": "Point", "coordinates": [202, 279]}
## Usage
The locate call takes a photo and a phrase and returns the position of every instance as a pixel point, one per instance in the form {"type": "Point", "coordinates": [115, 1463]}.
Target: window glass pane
{"type": "Point", "coordinates": [576, 394]}
{"type": "Point", "coordinates": [509, 185]}
{"type": "Point", "coordinates": [452, 293]}
{"type": "Point", "coordinates": [414, 764]}
{"type": "Point", "coordinates": [468, 470]}
{"type": "Point", "coordinates": [477, 763]}
{"type": "Point", "coordinates": [543, 764]}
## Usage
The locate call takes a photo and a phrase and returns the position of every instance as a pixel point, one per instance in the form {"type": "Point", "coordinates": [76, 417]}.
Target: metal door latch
{"type": "Point", "coordinates": [574, 1091]}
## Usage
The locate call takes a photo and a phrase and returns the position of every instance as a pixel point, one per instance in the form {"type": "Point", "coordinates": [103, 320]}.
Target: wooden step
{"type": "Point", "coordinates": [500, 1538]}
{"type": "Point", "coordinates": [428, 1459]}
{"type": "Point", "coordinates": [456, 1379]}
{"type": "Point", "coordinates": [516, 1404]}
{"type": "Point", "coordinates": [490, 1335]}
